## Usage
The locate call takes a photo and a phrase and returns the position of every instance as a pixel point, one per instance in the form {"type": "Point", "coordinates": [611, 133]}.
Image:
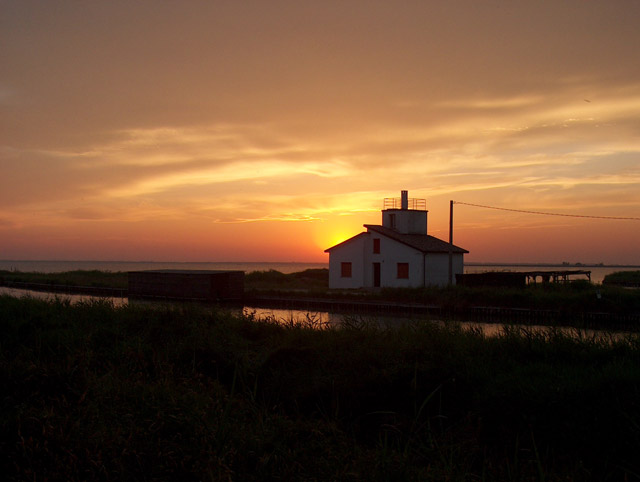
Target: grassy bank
{"type": "Point", "coordinates": [569, 298]}
{"type": "Point", "coordinates": [311, 279]}
{"type": "Point", "coordinates": [575, 297]}
{"type": "Point", "coordinates": [91, 391]}
{"type": "Point", "coordinates": [623, 278]}
{"type": "Point", "coordinates": [93, 278]}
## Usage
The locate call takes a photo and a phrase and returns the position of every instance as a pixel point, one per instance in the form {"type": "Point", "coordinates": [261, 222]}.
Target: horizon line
{"type": "Point", "coordinates": [470, 263]}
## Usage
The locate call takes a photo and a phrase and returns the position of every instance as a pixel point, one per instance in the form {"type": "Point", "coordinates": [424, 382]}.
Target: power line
{"type": "Point", "coordinates": [547, 214]}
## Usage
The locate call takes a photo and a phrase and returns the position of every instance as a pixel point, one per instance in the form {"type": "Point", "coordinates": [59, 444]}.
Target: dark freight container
{"type": "Point", "coordinates": [205, 285]}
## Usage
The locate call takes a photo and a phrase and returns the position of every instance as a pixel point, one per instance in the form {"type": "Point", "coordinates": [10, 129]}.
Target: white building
{"type": "Point", "coordinates": [398, 254]}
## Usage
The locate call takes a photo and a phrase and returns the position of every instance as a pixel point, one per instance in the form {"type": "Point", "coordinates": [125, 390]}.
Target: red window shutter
{"type": "Point", "coordinates": [376, 246]}
{"type": "Point", "coordinates": [403, 270]}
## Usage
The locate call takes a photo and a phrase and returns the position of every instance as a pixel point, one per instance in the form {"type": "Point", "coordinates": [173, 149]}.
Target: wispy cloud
{"type": "Point", "coordinates": [221, 114]}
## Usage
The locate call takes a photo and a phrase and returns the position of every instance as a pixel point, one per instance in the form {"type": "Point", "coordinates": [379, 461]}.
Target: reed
{"type": "Point", "coordinates": [94, 391]}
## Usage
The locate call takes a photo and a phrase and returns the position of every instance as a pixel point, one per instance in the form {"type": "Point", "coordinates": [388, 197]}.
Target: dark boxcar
{"type": "Point", "coordinates": [205, 285]}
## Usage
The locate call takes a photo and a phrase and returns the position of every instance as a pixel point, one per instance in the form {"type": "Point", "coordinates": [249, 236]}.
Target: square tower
{"type": "Point", "coordinates": [404, 215]}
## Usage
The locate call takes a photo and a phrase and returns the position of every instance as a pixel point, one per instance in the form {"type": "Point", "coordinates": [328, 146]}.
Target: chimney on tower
{"type": "Point", "coordinates": [404, 200]}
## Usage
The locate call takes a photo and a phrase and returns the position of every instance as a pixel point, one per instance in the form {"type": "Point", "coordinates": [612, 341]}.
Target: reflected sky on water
{"type": "Point", "coordinates": [324, 319]}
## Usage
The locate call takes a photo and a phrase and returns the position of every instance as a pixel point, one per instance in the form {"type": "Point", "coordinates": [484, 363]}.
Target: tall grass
{"type": "Point", "coordinates": [93, 391]}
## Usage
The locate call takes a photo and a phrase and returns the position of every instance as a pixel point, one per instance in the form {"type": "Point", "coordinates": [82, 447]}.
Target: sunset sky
{"type": "Point", "coordinates": [271, 130]}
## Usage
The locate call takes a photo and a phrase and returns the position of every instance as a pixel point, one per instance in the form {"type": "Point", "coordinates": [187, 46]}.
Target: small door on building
{"type": "Point", "coordinates": [376, 275]}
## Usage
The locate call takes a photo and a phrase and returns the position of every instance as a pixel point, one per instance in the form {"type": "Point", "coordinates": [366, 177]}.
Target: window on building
{"type": "Point", "coordinates": [403, 270]}
{"type": "Point", "coordinates": [392, 221]}
{"type": "Point", "coordinates": [376, 246]}
{"type": "Point", "coordinates": [345, 270]}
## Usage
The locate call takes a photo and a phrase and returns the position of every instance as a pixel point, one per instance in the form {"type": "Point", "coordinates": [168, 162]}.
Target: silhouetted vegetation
{"type": "Point", "coordinates": [272, 279]}
{"type": "Point", "coordinates": [92, 278]}
{"type": "Point", "coordinates": [573, 297]}
{"type": "Point", "coordinates": [183, 392]}
{"type": "Point", "coordinates": [308, 280]}
{"type": "Point", "coordinates": [623, 278]}
{"type": "Point", "coordinates": [567, 299]}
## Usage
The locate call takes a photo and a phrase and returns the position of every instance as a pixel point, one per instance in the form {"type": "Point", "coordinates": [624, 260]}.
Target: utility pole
{"type": "Point", "coordinates": [450, 242]}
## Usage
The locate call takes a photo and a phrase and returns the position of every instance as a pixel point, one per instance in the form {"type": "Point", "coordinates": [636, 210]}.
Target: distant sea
{"type": "Point", "coordinates": [598, 272]}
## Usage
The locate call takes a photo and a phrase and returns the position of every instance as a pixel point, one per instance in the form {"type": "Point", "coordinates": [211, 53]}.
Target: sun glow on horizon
{"type": "Point", "coordinates": [334, 230]}
{"type": "Point", "coordinates": [335, 238]}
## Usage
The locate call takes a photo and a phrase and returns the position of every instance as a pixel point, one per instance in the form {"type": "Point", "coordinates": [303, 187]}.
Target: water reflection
{"type": "Point", "coordinates": [73, 298]}
{"type": "Point", "coordinates": [324, 319]}
{"type": "Point", "coordinates": [293, 317]}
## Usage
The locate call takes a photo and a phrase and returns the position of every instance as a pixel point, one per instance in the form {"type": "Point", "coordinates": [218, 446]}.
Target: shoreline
{"type": "Point", "coordinates": [559, 316]}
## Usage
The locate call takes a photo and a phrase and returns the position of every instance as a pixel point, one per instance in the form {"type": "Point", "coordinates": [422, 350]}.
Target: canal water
{"type": "Point", "coordinates": [322, 319]}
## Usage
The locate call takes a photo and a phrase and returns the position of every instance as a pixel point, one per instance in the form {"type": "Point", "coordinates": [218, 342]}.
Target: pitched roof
{"type": "Point", "coordinates": [421, 242]}
{"type": "Point", "coordinates": [345, 241]}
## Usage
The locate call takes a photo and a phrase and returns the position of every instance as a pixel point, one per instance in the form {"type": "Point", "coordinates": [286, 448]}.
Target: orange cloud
{"type": "Point", "coordinates": [235, 131]}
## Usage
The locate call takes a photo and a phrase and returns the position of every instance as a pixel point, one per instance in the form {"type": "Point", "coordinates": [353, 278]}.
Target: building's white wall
{"type": "Point", "coordinates": [352, 252]}
{"type": "Point", "coordinates": [392, 253]}
{"type": "Point", "coordinates": [458, 265]}
{"type": "Point", "coordinates": [359, 252]}
{"type": "Point", "coordinates": [407, 221]}
{"type": "Point", "coordinates": [437, 266]}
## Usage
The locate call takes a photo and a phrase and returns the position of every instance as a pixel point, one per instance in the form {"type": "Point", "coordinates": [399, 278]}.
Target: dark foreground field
{"type": "Point", "coordinates": [94, 392]}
